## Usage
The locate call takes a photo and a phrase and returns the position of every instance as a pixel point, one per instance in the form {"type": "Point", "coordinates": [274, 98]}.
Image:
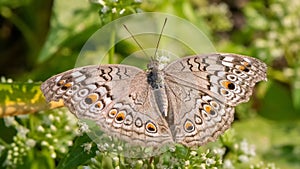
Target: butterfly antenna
{"type": "Point", "coordinates": [140, 46]}
{"type": "Point", "coordinates": [162, 29]}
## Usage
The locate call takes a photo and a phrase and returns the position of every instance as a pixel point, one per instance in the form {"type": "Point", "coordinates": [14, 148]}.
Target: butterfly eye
{"type": "Point", "coordinates": [150, 127]}
{"type": "Point", "coordinates": [189, 126]}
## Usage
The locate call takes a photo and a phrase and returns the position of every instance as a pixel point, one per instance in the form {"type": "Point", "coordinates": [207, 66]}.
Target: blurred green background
{"type": "Point", "coordinates": [39, 39]}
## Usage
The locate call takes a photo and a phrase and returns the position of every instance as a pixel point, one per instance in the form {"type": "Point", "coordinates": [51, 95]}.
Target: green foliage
{"type": "Point", "coordinates": [266, 130]}
{"type": "Point", "coordinates": [39, 140]}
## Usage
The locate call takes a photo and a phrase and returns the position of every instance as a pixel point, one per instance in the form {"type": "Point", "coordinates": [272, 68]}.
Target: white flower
{"type": "Point", "coordinates": [114, 10]}
{"type": "Point", "coordinates": [219, 151]}
{"type": "Point", "coordinates": [51, 147]}
{"type": "Point", "coordinates": [22, 150]}
{"type": "Point", "coordinates": [104, 9]}
{"type": "Point", "coordinates": [115, 158]}
{"type": "Point", "coordinates": [63, 150]}
{"type": "Point", "coordinates": [227, 164]}
{"type": "Point", "coordinates": [22, 131]}
{"type": "Point", "coordinates": [51, 117]}
{"type": "Point", "coordinates": [120, 148]}
{"type": "Point", "coordinates": [40, 129]}
{"type": "Point", "coordinates": [70, 143]}
{"type": "Point", "coordinates": [9, 80]}
{"type": "Point", "coordinates": [101, 2]}
{"type": "Point", "coordinates": [172, 148]}
{"type": "Point", "coordinates": [53, 155]}
{"type": "Point", "coordinates": [30, 142]}
{"type": "Point", "coordinates": [252, 150]}
{"type": "Point", "coordinates": [55, 140]}
{"type": "Point", "coordinates": [10, 121]}
{"type": "Point", "coordinates": [3, 79]}
{"type": "Point", "coordinates": [83, 127]}
{"type": "Point", "coordinates": [187, 162]}
{"type": "Point", "coordinates": [88, 167]}
{"type": "Point", "coordinates": [193, 153]}
{"type": "Point", "coordinates": [247, 149]}
{"type": "Point", "coordinates": [210, 161]}
{"type": "Point", "coordinates": [140, 162]}
{"type": "Point", "coordinates": [16, 148]}
{"type": "Point", "coordinates": [48, 135]}
{"type": "Point", "coordinates": [44, 143]}
{"type": "Point", "coordinates": [67, 128]}
{"type": "Point", "coordinates": [122, 11]}
{"type": "Point", "coordinates": [202, 166]}
{"type": "Point", "coordinates": [243, 158]}
{"type": "Point", "coordinates": [87, 147]}
{"type": "Point", "coordinates": [53, 128]}
{"type": "Point", "coordinates": [1, 149]}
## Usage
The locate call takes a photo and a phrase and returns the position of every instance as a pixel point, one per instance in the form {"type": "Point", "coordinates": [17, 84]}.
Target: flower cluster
{"type": "Point", "coordinates": [113, 9]}
{"type": "Point", "coordinates": [277, 28]}
{"type": "Point", "coordinates": [51, 133]}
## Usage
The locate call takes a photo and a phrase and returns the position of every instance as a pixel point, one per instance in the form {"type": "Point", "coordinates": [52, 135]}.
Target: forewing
{"type": "Point", "coordinates": [205, 89]}
{"type": "Point", "coordinates": [116, 97]}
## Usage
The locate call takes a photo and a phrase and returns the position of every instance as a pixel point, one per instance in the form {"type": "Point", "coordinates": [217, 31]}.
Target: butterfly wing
{"type": "Point", "coordinates": [117, 97]}
{"type": "Point", "coordinates": [205, 89]}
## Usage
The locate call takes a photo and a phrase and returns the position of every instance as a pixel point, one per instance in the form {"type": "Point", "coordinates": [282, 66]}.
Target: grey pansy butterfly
{"type": "Point", "coordinates": [189, 101]}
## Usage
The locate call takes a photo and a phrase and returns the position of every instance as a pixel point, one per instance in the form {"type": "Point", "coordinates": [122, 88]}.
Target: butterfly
{"type": "Point", "coordinates": [189, 101]}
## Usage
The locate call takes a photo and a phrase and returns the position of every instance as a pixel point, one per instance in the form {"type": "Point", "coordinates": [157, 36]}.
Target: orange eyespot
{"type": "Point", "coordinates": [214, 104]}
{"type": "Point", "coordinates": [112, 112]}
{"type": "Point", "coordinates": [207, 108]}
{"type": "Point", "coordinates": [243, 68]}
{"type": "Point", "coordinates": [60, 83]}
{"type": "Point", "coordinates": [188, 126]}
{"type": "Point", "coordinates": [120, 116]}
{"type": "Point", "coordinates": [224, 92]}
{"type": "Point", "coordinates": [98, 105]}
{"type": "Point", "coordinates": [246, 64]}
{"type": "Point", "coordinates": [228, 85]}
{"type": "Point", "coordinates": [151, 127]}
{"type": "Point", "coordinates": [66, 86]}
{"type": "Point", "coordinates": [92, 98]}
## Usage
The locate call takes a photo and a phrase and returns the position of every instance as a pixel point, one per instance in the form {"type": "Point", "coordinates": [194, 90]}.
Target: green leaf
{"type": "Point", "coordinates": [69, 19]}
{"type": "Point", "coordinates": [296, 89]}
{"type": "Point", "coordinates": [278, 104]}
{"type": "Point", "coordinates": [20, 98]}
{"type": "Point", "coordinates": [77, 154]}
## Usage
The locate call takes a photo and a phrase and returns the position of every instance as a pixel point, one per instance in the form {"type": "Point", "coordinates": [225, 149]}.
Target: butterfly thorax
{"type": "Point", "coordinates": [155, 79]}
